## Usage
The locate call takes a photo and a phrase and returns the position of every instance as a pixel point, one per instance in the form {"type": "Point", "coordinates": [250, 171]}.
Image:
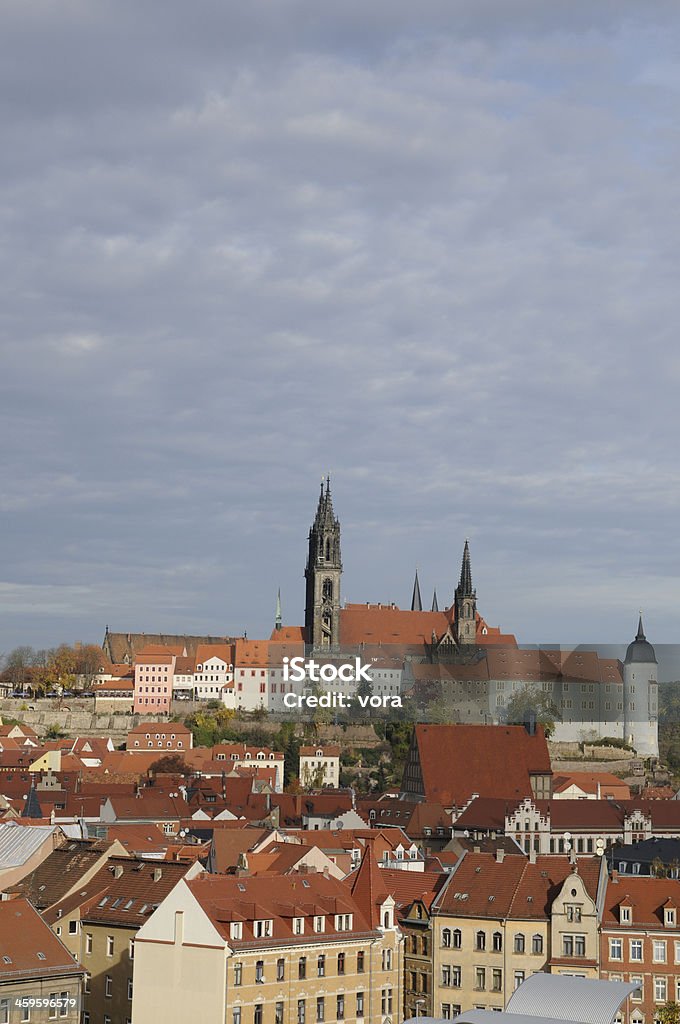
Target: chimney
{"type": "Point", "coordinates": [615, 877]}
{"type": "Point", "coordinates": [476, 849]}
{"type": "Point", "coordinates": [500, 855]}
{"type": "Point", "coordinates": [532, 856]}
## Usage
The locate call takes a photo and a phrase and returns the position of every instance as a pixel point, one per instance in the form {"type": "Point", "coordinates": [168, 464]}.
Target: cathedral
{"type": "Point", "coordinates": [329, 626]}
{"type": "Point", "coordinates": [475, 667]}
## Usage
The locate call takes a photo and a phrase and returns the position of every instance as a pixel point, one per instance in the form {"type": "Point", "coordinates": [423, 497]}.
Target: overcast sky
{"type": "Point", "coordinates": [431, 248]}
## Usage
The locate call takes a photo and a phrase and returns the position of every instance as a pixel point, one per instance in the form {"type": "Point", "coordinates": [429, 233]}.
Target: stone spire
{"type": "Point", "coordinates": [435, 603]}
{"type": "Point", "coordinates": [416, 603]}
{"type": "Point", "coordinates": [465, 601]}
{"type": "Point", "coordinates": [465, 582]}
{"type": "Point", "coordinates": [323, 572]}
{"type": "Point", "coordinates": [278, 621]}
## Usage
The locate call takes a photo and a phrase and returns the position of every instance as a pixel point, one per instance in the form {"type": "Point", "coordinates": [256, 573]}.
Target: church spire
{"type": "Point", "coordinates": [323, 572]}
{"type": "Point", "coordinates": [465, 583]}
{"type": "Point", "coordinates": [278, 621]}
{"type": "Point", "coordinates": [640, 633]}
{"type": "Point", "coordinates": [435, 603]}
{"type": "Point", "coordinates": [416, 603]}
{"type": "Point", "coordinates": [465, 601]}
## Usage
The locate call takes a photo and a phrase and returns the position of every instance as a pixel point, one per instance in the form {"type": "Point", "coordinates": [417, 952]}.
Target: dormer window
{"type": "Point", "coordinates": [669, 917]}
{"type": "Point", "coordinates": [343, 922]}
{"type": "Point", "coordinates": [236, 930]}
{"type": "Point", "coordinates": [298, 925]}
{"type": "Point", "coordinates": [626, 915]}
{"type": "Point", "coordinates": [262, 929]}
{"type": "Point", "coordinates": [319, 924]}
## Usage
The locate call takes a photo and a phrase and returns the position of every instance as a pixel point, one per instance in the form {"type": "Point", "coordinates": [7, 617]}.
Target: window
{"type": "Point", "coordinates": [446, 938]}
{"type": "Point", "coordinates": [536, 944]}
{"type": "Point", "coordinates": [636, 949]}
{"type": "Point", "coordinates": [519, 943]}
{"type": "Point", "coordinates": [238, 974]}
{"type": "Point", "coordinates": [676, 946]}
{"type": "Point", "coordinates": [360, 962]}
{"type": "Point", "coordinates": [616, 949]}
{"type": "Point", "coordinates": [456, 977]}
{"type": "Point", "coordinates": [387, 959]}
{"type": "Point", "coordinates": [320, 1009]}
{"type": "Point", "coordinates": [321, 966]}
{"type": "Point", "coordinates": [669, 917]}
{"type": "Point", "coordinates": [88, 942]}
{"type": "Point", "coordinates": [302, 968]}
{"type": "Point", "coordinates": [480, 978]}
{"type": "Point", "coordinates": [319, 924]}
{"type": "Point", "coordinates": [278, 1013]}
{"type": "Point", "coordinates": [25, 1013]}
{"type": "Point", "coordinates": [257, 1013]}
{"type": "Point", "coordinates": [302, 1011]}
{"type": "Point", "coordinates": [497, 980]}
{"type": "Point", "coordinates": [573, 945]}
{"type": "Point", "coordinates": [298, 925]}
{"type": "Point", "coordinates": [360, 1004]}
{"type": "Point", "coordinates": [73, 927]}
{"type": "Point", "coordinates": [480, 941]}
{"type": "Point", "coordinates": [262, 929]}
{"type": "Point", "coordinates": [659, 951]}
{"type": "Point", "coordinates": [109, 945]}
{"type": "Point", "coordinates": [340, 1007]}
{"type": "Point", "coordinates": [108, 986]}
{"type": "Point", "coordinates": [573, 911]}
{"type": "Point", "coordinates": [341, 963]}
{"type": "Point", "coordinates": [518, 979]}
{"type": "Point", "coordinates": [236, 930]}
{"type": "Point", "coordinates": [129, 988]}
{"type": "Point", "coordinates": [497, 942]}
{"type": "Point", "coordinates": [280, 970]}
{"type": "Point", "coordinates": [625, 915]}
{"type": "Point", "coordinates": [4, 1011]}
{"type": "Point", "coordinates": [53, 1007]}
{"type": "Point", "coordinates": [660, 990]}
{"type": "Point", "coordinates": [636, 996]}
{"type": "Point", "coordinates": [236, 1015]}
{"type": "Point", "coordinates": [259, 972]}
{"type": "Point", "coordinates": [446, 975]}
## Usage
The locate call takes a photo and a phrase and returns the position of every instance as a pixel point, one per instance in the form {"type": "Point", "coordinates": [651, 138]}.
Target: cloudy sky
{"type": "Point", "coordinates": [430, 248]}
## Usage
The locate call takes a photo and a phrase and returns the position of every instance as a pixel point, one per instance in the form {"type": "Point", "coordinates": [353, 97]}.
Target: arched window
{"type": "Point", "coordinates": [537, 944]}
{"type": "Point", "coordinates": [446, 938]}
{"type": "Point", "coordinates": [480, 941]}
{"type": "Point", "coordinates": [497, 940]}
{"type": "Point", "coordinates": [519, 943]}
{"type": "Point", "coordinates": [457, 938]}
{"type": "Point", "coordinates": [327, 590]}
{"type": "Point", "coordinates": [328, 549]}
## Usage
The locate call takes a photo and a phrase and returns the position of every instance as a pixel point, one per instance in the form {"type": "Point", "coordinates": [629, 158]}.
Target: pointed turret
{"type": "Point", "coordinates": [435, 603]}
{"type": "Point", "coordinates": [278, 621]}
{"type": "Point", "coordinates": [32, 808]}
{"type": "Point", "coordinates": [416, 603]}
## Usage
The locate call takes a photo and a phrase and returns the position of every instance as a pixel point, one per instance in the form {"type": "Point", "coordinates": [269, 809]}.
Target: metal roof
{"type": "Point", "coordinates": [19, 842]}
{"type": "Point", "coordinates": [587, 1000]}
{"type": "Point", "coordinates": [553, 999]}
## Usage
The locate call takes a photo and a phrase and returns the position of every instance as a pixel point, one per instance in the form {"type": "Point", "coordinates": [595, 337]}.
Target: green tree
{"type": "Point", "coordinates": [170, 764]}
{"type": "Point", "coordinates": [669, 1013]}
{"type": "Point", "coordinates": [528, 701]}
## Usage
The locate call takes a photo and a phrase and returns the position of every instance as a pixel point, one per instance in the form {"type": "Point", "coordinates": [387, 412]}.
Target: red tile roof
{"type": "Point", "coordinates": [647, 896]}
{"type": "Point", "coordinates": [490, 760]}
{"type": "Point", "coordinates": [24, 935]}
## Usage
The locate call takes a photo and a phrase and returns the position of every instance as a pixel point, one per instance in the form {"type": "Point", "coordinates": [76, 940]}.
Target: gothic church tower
{"type": "Point", "coordinates": [465, 601]}
{"type": "Point", "coordinates": [323, 571]}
